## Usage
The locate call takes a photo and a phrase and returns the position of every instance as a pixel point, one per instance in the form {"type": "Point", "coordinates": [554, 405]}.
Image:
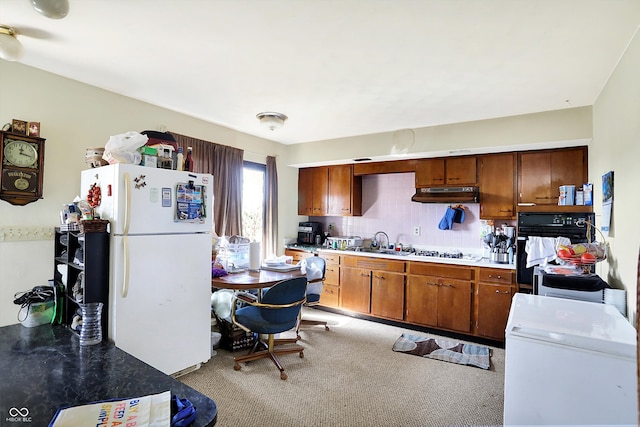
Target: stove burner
{"type": "Point", "coordinates": [456, 255]}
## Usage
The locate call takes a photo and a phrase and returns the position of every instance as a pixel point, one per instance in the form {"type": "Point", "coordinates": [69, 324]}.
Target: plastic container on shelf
{"type": "Point", "coordinates": [180, 160]}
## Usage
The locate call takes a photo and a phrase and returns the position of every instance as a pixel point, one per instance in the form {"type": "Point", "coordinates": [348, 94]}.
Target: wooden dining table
{"type": "Point", "coordinates": [253, 279]}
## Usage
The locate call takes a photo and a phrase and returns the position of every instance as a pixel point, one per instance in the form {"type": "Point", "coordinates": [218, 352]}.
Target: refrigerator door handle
{"type": "Point", "coordinates": [127, 202]}
{"type": "Point", "coordinates": [125, 269]}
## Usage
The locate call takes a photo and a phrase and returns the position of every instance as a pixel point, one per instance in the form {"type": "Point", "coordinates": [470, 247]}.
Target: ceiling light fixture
{"type": "Point", "coordinates": [54, 9]}
{"type": "Point", "coordinates": [10, 47]}
{"type": "Point", "coordinates": [271, 121]}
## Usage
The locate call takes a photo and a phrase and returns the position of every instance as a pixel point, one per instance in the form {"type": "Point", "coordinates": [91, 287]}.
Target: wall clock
{"type": "Point", "coordinates": [22, 161]}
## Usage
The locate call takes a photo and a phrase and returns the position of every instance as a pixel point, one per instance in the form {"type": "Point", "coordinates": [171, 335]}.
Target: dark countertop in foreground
{"type": "Point", "coordinates": [44, 368]}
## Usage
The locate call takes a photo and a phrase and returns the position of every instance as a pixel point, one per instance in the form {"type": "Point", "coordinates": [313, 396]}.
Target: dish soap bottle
{"type": "Point", "coordinates": [180, 160]}
{"type": "Point", "coordinates": [188, 161]}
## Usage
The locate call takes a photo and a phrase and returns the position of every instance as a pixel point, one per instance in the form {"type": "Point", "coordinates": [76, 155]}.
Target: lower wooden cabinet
{"type": "Point", "coordinates": [330, 296]}
{"type": "Point", "coordinates": [355, 284]}
{"type": "Point", "coordinates": [439, 302]}
{"type": "Point", "coordinates": [440, 295]}
{"type": "Point", "coordinates": [465, 299]}
{"type": "Point", "coordinates": [494, 293]}
{"type": "Point", "coordinates": [387, 295]}
{"type": "Point", "coordinates": [372, 286]}
{"type": "Point", "coordinates": [297, 255]}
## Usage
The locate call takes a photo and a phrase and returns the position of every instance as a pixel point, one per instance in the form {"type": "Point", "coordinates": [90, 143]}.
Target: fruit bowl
{"type": "Point", "coordinates": [582, 254]}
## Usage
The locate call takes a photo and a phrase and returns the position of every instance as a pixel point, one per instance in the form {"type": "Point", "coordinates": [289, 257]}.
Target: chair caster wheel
{"type": "Point", "coordinates": [326, 328]}
{"type": "Point", "coordinates": [283, 376]}
{"type": "Point", "coordinates": [301, 355]}
{"type": "Point", "coordinates": [236, 367]}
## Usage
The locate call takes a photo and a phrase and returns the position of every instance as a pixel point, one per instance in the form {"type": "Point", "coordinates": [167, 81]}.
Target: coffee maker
{"type": "Point", "coordinates": [310, 233]}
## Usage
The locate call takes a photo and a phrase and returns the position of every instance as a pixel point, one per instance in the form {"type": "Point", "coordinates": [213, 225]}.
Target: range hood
{"type": "Point", "coordinates": [446, 195]}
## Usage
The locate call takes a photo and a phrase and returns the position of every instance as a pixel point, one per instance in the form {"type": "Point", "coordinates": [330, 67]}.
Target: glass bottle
{"type": "Point", "coordinates": [188, 161]}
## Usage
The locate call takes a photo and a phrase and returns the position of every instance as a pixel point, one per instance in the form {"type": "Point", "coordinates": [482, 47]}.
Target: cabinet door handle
{"type": "Point", "coordinates": [364, 274]}
{"type": "Point", "coordinates": [502, 292]}
{"type": "Point", "coordinates": [495, 277]}
{"type": "Point", "coordinates": [379, 277]}
{"type": "Point", "coordinates": [432, 283]}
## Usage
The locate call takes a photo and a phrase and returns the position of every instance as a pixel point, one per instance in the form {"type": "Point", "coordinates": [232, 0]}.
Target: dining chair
{"type": "Point", "coordinates": [316, 268]}
{"type": "Point", "coordinates": [278, 311]}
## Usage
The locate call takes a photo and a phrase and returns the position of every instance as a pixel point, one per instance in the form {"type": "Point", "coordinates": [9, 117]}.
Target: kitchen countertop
{"type": "Point", "coordinates": [483, 262]}
{"type": "Point", "coordinates": [44, 368]}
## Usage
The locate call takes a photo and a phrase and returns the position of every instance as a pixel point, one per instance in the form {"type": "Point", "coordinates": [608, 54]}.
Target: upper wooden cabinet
{"type": "Point", "coordinates": [345, 191]}
{"type": "Point", "coordinates": [446, 171]}
{"type": "Point", "coordinates": [541, 173]}
{"type": "Point", "coordinates": [313, 188]}
{"type": "Point", "coordinates": [329, 190]}
{"type": "Point", "coordinates": [497, 178]}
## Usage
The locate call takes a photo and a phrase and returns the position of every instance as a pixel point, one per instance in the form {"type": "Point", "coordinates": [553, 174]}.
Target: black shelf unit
{"type": "Point", "coordinates": [82, 254]}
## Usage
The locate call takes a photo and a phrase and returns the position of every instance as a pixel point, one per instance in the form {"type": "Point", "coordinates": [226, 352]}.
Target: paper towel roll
{"type": "Point", "coordinates": [254, 256]}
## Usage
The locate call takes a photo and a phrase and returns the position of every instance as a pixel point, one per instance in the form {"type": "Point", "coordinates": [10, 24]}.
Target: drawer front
{"type": "Point", "coordinates": [441, 270]}
{"type": "Point", "coordinates": [330, 295]}
{"type": "Point", "coordinates": [329, 258]}
{"type": "Point", "coordinates": [332, 274]}
{"type": "Point", "coordinates": [374, 263]}
{"type": "Point", "coordinates": [495, 275]}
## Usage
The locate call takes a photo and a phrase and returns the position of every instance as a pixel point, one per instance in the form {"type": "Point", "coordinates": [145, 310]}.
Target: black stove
{"type": "Point", "coordinates": [453, 254]}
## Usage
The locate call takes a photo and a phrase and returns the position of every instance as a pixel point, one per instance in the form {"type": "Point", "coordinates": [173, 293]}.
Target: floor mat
{"type": "Point", "coordinates": [442, 349]}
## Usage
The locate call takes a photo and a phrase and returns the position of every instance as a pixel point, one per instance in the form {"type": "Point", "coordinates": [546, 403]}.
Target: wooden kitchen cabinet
{"type": "Point", "coordinates": [497, 179]}
{"type": "Point", "coordinates": [329, 190]}
{"type": "Point", "coordinates": [330, 296]}
{"type": "Point", "coordinates": [313, 188]}
{"type": "Point", "coordinates": [355, 287]}
{"type": "Point", "coordinates": [541, 173]}
{"type": "Point", "coordinates": [439, 295]}
{"type": "Point", "coordinates": [446, 171]}
{"type": "Point", "coordinates": [356, 282]}
{"type": "Point", "coordinates": [345, 191]}
{"type": "Point", "coordinates": [494, 293]}
{"type": "Point", "coordinates": [297, 254]}
{"type": "Point", "coordinates": [387, 295]}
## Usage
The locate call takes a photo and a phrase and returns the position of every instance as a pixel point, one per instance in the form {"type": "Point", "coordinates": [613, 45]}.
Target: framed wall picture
{"type": "Point", "coordinates": [19, 126]}
{"type": "Point", "coordinates": [34, 129]}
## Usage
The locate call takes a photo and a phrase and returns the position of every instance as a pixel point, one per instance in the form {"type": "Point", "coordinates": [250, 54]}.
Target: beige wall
{"type": "Point", "coordinates": [75, 116]}
{"type": "Point", "coordinates": [616, 147]}
{"type": "Point", "coordinates": [550, 129]}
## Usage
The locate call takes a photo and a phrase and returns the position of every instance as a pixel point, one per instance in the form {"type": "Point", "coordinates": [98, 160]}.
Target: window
{"type": "Point", "coordinates": [253, 200]}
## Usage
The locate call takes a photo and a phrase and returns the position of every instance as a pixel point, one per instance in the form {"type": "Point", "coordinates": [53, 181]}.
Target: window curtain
{"type": "Point", "coordinates": [226, 165]}
{"type": "Point", "coordinates": [227, 190]}
{"type": "Point", "coordinates": [270, 211]}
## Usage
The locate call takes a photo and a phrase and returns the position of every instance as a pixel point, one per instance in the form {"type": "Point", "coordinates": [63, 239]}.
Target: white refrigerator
{"type": "Point", "coordinates": [160, 266]}
{"type": "Point", "coordinates": [569, 362]}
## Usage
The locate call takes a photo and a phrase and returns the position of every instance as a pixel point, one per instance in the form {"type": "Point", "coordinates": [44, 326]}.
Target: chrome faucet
{"type": "Point", "coordinates": [375, 239]}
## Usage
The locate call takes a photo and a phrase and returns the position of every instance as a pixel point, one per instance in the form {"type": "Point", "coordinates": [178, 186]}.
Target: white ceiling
{"type": "Point", "coordinates": [336, 67]}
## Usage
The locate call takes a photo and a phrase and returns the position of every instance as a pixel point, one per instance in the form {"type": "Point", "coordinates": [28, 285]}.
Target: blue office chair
{"type": "Point", "coordinates": [316, 268]}
{"type": "Point", "coordinates": [277, 311]}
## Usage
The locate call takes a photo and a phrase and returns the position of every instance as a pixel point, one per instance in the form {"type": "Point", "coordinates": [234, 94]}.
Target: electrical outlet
{"type": "Point", "coordinates": [416, 231]}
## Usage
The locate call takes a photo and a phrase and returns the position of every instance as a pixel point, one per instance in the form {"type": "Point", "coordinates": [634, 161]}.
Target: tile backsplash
{"type": "Point", "coordinates": [387, 206]}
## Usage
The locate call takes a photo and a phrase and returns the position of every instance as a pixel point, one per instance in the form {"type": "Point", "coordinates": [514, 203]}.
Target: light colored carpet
{"type": "Point", "coordinates": [349, 376]}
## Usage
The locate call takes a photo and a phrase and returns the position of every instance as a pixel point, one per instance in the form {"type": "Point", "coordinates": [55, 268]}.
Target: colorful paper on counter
{"type": "Point", "coordinates": [146, 411]}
